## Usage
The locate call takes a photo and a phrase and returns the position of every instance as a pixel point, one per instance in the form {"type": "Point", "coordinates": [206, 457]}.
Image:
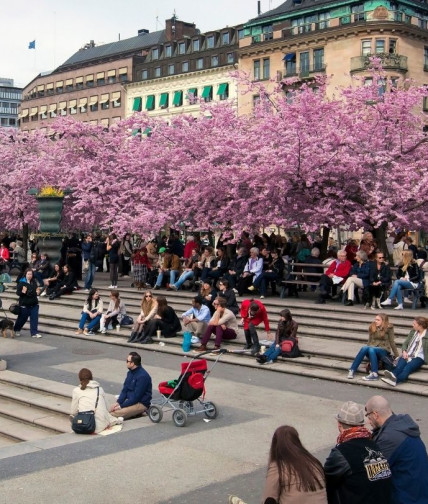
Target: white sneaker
{"type": "Point", "coordinates": [389, 382]}
{"type": "Point", "coordinates": [17, 333]}
{"type": "Point", "coordinates": [43, 294]}
{"type": "Point", "coordinates": [36, 335]}
{"type": "Point", "coordinates": [111, 287]}
{"type": "Point", "coordinates": [351, 374]}
{"type": "Point", "coordinates": [120, 420]}
{"type": "Point", "coordinates": [103, 331]}
{"type": "Point", "coordinates": [399, 307]}
{"type": "Point", "coordinates": [387, 302]}
{"type": "Point", "coordinates": [262, 297]}
{"type": "Point", "coordinates": [407, 300]}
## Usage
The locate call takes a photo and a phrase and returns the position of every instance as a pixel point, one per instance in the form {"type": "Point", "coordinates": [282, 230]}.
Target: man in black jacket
{"type": "Point", "coordinates": [356, 471]}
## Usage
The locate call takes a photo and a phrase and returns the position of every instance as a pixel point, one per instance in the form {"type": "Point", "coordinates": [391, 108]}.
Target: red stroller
{"type": "Point", "coordinates": [182, 396]}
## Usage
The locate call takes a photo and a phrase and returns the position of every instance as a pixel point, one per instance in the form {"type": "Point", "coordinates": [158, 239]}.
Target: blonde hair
{"type": "Point", "coordinates": [384, 326]}
{"type": "Point", "coordinates": [407, 259]}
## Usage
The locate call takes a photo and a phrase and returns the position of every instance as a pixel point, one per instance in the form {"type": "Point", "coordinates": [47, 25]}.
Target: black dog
{"type": "Point", "coordinates": [7, 325]}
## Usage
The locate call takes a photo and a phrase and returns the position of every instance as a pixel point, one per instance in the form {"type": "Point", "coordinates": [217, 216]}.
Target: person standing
{"type": "Point", "coordinates": [399, 438]}
{"type": "Point", "coordinates": [27, 290]}
{"type": "Point", "coordinates": [356, 470]}
{"type": "Point", "coordinates": [253, 313]}
{"type": "Point", "coordinates": [136, 393]}
{"type": "Point", "coordinates": [293, 475]}
{"type": "Point", "coordinates": [89, 258]}
{"type": "Point", "coordinates": [112, 246]}
{"type": "Point", "coordinates": [126, 254]}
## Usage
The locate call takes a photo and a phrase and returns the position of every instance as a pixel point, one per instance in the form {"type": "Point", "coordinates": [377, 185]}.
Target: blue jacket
{"type": "Point", "coordinates": [362, 271]}
{"type": "Point", "coordinates": [136, 389]}
{"type": "Point", "coordinates": [399, 440]}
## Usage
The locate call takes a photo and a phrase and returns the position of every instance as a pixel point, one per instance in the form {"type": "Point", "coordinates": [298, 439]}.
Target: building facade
{"type": "Point", "coordinates": [176, 76]}
{"type": "Point", "coordinates": [10, 98]}
{"type": "Point", "coordinates": [90, 86]}
{"type": "Point", "coordinates": [303, 38]}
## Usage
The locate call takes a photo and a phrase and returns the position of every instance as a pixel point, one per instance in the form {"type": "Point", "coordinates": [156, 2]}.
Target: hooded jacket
{"type": "Point", "coordinates": [399, 440]}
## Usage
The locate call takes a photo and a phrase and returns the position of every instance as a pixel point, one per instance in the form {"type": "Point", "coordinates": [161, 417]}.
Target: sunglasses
{"type": "Point", "coordinates": [148, 295]}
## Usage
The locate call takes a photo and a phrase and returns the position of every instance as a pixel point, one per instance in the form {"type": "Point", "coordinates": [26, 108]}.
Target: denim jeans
{"type": "Point", "coordinates": [403, 368]}
{"type": "Point", "coordinates": [373, 353]}
{"type": "Point", "coordinates": [172, 274]}
{"type": "Point", "coordinates": [93, 322]}
{"type": "Point", "coordinates": [183, 277]}
{"type": "Point", "coordinates": [396, 289]}
{"type": "Point", "coordinates": [272, 353]}
{"type": "Point", "coordinates": [89, 278]}
{"type": "Point", "coordinates": [261, 281]}
{"type": "Point", "coordinates": [24, 313]}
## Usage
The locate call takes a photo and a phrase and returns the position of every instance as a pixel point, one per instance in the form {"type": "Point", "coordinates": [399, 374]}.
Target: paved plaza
{"type": "Point", "coordinates": [160, 463]}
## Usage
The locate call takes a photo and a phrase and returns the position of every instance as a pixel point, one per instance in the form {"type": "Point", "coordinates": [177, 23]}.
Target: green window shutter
{"type": "Point", "coordinates": [150, 102]}
{"type": "Point", "coordinates": [163, 102]}
{"type": "Point", "coordinates": [147, 132]}
{"type": "Point", "coordinates": [207, 91]}
{"type": "Point", "coordinates": [222, 89]}
{"type": "Point", "coordinates": [178, 98]}
{"type": "Point", "coordinates": [136, 132]}
{"type": "Point", "coordinates": [136, 107]}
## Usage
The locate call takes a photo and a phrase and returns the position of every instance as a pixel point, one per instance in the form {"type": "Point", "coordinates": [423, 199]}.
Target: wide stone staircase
{"type": "Point", "coordinates": [329, 335]}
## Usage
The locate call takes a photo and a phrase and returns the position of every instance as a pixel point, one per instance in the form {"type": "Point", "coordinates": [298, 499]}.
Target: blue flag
{"type": "Point", "coordinates": [32, 45]}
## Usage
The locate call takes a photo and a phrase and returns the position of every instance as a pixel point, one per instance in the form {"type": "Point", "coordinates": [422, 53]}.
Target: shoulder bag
{"type": "Point", "coordinates": [84, 421]}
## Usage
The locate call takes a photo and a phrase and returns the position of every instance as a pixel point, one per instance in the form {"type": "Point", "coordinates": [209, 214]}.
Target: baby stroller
{"type": "Point", "coordinates": [182, 396]}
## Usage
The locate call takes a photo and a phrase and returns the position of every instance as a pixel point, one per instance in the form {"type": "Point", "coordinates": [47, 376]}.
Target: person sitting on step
{"type": "Point", "coordinates": [359, 277]}
{"type": "Point", "coordinates": [223, 324]}
{"type": "Point", "coordinates": [115, 312]}
{"type": "Point", "coordinates": [287, 328]}
{"type": "Point", "coordinates": [381, 343]}
{"type": "Point", "coordinates": [92, 311]}
{"type": "Point", "coordinates": [196, 318]}
{"type": "Point", "coordinates": [149, 307]}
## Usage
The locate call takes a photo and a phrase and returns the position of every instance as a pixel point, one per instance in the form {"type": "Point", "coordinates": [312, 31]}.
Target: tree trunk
{"type": "Point", "coordinates": [325, 235]}
{"type": "Point", "coordinates": [379, 234]}
{"type": "Point", "coordinates": [25, 234]}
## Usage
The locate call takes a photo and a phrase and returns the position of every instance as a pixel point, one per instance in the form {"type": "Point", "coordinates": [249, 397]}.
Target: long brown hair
{"type": "Point", "coordinates": [384, 326]}
{"type": "Point", "coordinates": [147, 303]}
{"type": "Point", "coordinates": [115, 294]}
{"type": "Point", "coordinates": [85, 376]}
{"type": "Point", "coordinates": [162, 305]}
{"type": "Point", "coordinates": [294, 462]}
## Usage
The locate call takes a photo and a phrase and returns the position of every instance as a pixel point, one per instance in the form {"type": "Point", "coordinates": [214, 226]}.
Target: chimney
{"type": "Point", "coordinates": [143, 31]}
{"type": "Point", "coordinates": [259, 9]}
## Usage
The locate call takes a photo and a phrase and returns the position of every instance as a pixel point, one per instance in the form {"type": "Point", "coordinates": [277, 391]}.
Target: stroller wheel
{"type": "Point", "coordinates": [179, 416]}
{"type": "Point", "coordinates": [210, 410]}
{"type": "Point", "coordinates": [155, 414]}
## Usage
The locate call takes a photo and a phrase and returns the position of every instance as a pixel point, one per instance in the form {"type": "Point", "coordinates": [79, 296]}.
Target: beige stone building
{"type": "Point", "coordinates": [302, 38]}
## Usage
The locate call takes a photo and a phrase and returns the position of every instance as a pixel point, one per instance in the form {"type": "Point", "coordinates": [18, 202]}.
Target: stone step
{"type": "Point", "coordinates": [21, 431]}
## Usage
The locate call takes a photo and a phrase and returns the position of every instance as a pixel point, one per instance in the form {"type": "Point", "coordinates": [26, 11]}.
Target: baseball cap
{"type": "Point", "coordinates": [162, 250]}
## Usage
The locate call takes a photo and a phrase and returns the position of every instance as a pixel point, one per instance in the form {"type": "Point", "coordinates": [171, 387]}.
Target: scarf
{"type": "Point", "coordinates": [357, 432]}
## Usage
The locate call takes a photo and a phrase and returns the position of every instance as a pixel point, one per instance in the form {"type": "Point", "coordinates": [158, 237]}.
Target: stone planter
{"type": "Point", "coordinates": [50, 211]}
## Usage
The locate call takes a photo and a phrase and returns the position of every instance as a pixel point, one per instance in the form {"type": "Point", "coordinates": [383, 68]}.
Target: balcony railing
{"type": "Point", "coordinates": [306, 71]}
{"type": "Point", "coordinates": [389, 62]}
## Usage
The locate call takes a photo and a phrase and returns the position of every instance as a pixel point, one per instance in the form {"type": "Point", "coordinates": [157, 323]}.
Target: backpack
{"type": "Point", "coordinates": [290, 348]}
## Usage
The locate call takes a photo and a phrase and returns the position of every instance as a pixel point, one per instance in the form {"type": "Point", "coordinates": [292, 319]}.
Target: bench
{"type": "Point", "coordinates": [299, 276]}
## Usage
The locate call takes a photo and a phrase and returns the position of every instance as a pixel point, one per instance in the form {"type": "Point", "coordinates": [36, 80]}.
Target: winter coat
{"type": "Point", "coordinates": [28, 298]}
{"type": "Point", "coordinates": [399, 440]}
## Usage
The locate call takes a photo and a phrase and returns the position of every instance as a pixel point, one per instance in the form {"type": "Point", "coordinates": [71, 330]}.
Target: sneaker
{"type": "Point", "coordinates": [251, 288]}
{"type": "Point", "coordinates": [17, 333]}
{"type": "Point", "coordinates": [389, 382]}
{"type": "Point", "coordinates": [367, 306]}
{"type": "Point", "coordinates": [110, 287]}
{"type": "Point", "coordinates": [173, 287]}
{"type": "Point", "coordinates": [351, 374]}
{"type": "Point", "coordinates": [371, 377]}
{"type": "Point", "coordinates": [86, 290]}
{"type": "Point", "coordinates": [156, 287]}
{"type": "Point", "coordinates": [390, 376]}
{"type": "Point", "coordinates": [90, 333]}
{"type": "Point", "coordinates": [215, 350]}
{"type": "Point", "coordinates": [120, 420]}
{"type": "Point", "coordinates": [200, 349]}
{"type": "Point", "coordinates": [387, 302]}
{"type": "Point", "coordinates": [269, 362]}
{"type": "Point", "coordinates": [247, 347]}
{"type": "Point", "coordinates": [37, 335]}
{"type": "Point", "coordinates": [85, 332]}
{"type": "Point", "coordinates": [399, 307]}
{"type": "Point", "coordinates": [103, 331]}
{"type": "Point", "coordinates": [235, 291]}
{"type": "Point", "coordinates": [407, 300]}
{"type": "Point", "coordinates": [43, 294]}
{"type": "Point", "coordinates": [262, 297]}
